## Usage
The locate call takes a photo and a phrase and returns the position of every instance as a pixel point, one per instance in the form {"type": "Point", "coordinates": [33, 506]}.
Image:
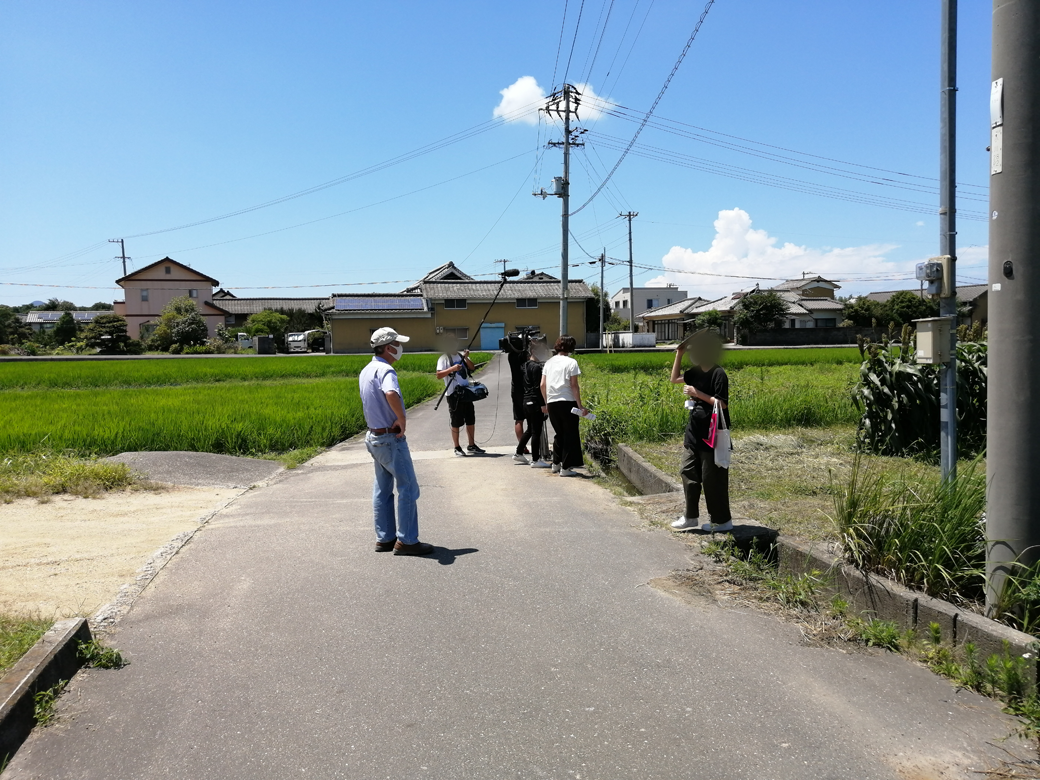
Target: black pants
{"type": "Point", "coordinates": [535, 430]}
{"type": "Point", "coordinates": [567, 442]}
{"type": "Point", "coordinates": [698, 469]}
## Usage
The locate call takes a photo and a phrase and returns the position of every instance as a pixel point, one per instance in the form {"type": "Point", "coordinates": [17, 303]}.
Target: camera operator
{"type": "Point", "coordinates": [534, 402]}
{"type": "Point", "coordinates": [517, 354]}
{"type": "Point", "coordinates": [454, 367]}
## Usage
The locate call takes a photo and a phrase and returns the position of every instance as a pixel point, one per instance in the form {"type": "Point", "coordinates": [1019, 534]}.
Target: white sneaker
{"type": "Point", "coordinates": [556, 468]}
{"type": "Point", "coordinates": [521, 459]}
{"type": "Point", "coordinates": [682, 524]}
{"type": "Point", "coordinates": [568, 473]}
{"type": "Point", "coordinates": [540, 464]}
{"type": "Point", "coordinates": [718, 527]}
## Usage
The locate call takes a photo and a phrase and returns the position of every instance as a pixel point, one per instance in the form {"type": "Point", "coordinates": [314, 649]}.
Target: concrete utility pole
{"type": "Point", "coordinates": [631, 276]}
{"type": "Point", "coordinates": [602, 293]}
{"type": "Point", "coordinates": [122, 252]}
{"type": "Point", "coordinates": [1013, 421]}
{"type": "Point", "coordinates": [948, 234]}
{"type": "Point", "coordinates": [564, 103]}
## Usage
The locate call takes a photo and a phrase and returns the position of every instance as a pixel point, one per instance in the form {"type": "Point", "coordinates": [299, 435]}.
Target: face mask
{"type": "Point", "coordinates": [398, 351]}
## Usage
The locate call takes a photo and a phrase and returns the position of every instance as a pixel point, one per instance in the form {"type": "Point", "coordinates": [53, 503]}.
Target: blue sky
{"type": "Point", "coordinates": [121, 119]}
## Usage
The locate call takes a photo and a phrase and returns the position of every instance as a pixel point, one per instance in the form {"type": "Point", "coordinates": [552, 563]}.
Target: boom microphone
{"type": "Point", "coordinates": [511, 272]}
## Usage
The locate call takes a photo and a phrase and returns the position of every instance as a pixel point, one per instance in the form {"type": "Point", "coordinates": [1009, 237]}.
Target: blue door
{"type": "Point", "coordinates": [490, 333]}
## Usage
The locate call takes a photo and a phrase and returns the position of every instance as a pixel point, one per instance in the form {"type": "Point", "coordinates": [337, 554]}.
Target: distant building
{"type": "Point", "coordinates": [644, 298]}
{"type": "Point", "coordinates": [238, 310]}
{"type": "Point", "coordinates": [147, 291]}
{"type": "Point", "coordinates": [46, 320]}
{"type": "Point", "coordinates": [971, 297]}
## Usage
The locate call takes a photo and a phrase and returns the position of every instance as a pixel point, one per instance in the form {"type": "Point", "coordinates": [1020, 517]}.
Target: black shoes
{"type": "Point", "coordinates": [473, 449]}
{"type": "Point", "coordinates": [419, 548]}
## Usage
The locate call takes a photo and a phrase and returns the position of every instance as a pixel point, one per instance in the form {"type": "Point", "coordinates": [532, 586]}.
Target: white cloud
{"type": "Point", "coordinates": [919, 223]}
{"type": "Point", "coordinates": [740, 249]}
{"type": "Point", "coordinates": [521, 101]}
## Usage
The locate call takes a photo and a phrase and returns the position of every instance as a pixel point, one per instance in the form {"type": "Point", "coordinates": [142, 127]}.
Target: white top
{"type": "Point", "coordinates": [452, 381]}
{"type": "Point", "coordinates": [557, 373]}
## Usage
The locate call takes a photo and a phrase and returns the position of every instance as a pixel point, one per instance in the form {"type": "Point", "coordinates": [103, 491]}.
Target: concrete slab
{"type": "Point", "coordinates": [200, 469]}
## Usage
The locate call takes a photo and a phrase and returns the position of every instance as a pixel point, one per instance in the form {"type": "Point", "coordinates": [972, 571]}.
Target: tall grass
{"type": "Point", "coordinates": [160, 372]}
{"type": "Point", "coordinates": [731, 359]}
{"type": "Point", "coordinates": [43, 474]}
{"type": "Point", "coordinates": [922, 531]}
{"type": "Point", "coordinates": [245, 418]}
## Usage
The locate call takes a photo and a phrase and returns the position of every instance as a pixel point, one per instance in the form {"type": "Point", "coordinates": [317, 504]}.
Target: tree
{"type": "Point", "coordinates": [862, 312]}
{"type": "Point", "coordinates": [12, 329]}
{"type": "Point", "coordinates": [107, 334]}
{"type": "Point", "coordinates": [268, 323]}
{"type": "Point", "coordinates": [101, 306]}
{"type": "Point", "coordinates": [180, 323]}
{"type": "Point", "coordinates": [710, 319]}
{"type": "Point", "coordinates": [56, 304]}
{"type": "Point", "coordinates": [758, 311]}
{"type": "Point", "coordinates": [906, 306]}
{"type": "Point", "coordinates": [65, 330]}
{"type": "Point", "coordinates": [599, 300]}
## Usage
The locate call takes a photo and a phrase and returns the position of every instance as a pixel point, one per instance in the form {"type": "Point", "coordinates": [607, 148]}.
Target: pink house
{"type": "Point", "coordinates": [147, 290]}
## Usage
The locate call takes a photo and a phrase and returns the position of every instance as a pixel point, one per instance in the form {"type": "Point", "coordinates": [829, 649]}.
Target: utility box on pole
{"type": "Point", "coordinates": [933, 340]}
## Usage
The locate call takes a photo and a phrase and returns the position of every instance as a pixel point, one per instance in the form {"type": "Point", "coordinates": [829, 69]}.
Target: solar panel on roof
{"type": "Point", "coordinates": [378, 304]}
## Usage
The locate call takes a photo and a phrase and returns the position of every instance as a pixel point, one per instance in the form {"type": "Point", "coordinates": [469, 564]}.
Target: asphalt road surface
{"type": "Point", "coordinates": [278, 644]}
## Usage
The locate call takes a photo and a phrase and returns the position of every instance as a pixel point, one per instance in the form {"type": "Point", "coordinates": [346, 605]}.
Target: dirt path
{"type": "Point", "coordinates": [70, 556]}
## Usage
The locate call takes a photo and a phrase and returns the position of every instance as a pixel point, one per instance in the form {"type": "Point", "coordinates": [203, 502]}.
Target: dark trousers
{"type": "Point", "coordinates": [535, 430]}
{"type": "Point", "coordinates": [698, 469]}
{"type": "Point", "coordinates": [567, 442]}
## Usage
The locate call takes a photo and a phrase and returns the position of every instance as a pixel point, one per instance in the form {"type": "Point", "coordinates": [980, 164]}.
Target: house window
{"type": "Point", "coordinates": [653, 303]}
{"type": "Point", "coordinates": [168, 270]}
{"type": "Point", "coordinates": [144, 295]}
{"type": "Point", "coordinates": [624, 303]}
{"type": "Point", "coordinates": [805, 323]}
{"type": "Point", "coordinates": [193, 293]}
{"type": "Point", "coordinates": [459, 333]}
{"type": "Point", "coordinates": [669, 301]}
{"type": "Point", "coordinates": [229, 319]}
{"type": "Point", "coordinates": [527, 303]}
{"type": "Point", "coordinates": [827, 322]}
{"type": "Point", "coordinates": [617, 304]}
{"type": "Point", "coordinates": [454, 303]}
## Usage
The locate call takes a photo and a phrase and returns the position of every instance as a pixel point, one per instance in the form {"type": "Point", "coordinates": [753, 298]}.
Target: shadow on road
{"type": "Point", "coordinates": [446, 557]}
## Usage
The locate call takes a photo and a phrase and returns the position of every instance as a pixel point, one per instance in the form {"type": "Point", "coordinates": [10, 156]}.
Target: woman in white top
{"type": "Point", "coordinates": [562, 394]}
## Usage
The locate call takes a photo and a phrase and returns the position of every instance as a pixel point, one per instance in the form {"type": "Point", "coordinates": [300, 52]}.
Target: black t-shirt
{"type": "Point", "coordinates": [533, 382]}
{"type": "Point", "coordinates": [715, 383]}
{"type": "Point", "coordinates": [517, 361]}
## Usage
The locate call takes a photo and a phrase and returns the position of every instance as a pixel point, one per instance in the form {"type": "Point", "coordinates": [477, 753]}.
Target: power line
{"type": "Point", "coordinates": [649, 113]}
{"type": "Point", "coordinates": [631, 48]}
{"type": "Point", "coordinates": [574, 40]}
{"type": "Point", "coordinates": [559, 45]}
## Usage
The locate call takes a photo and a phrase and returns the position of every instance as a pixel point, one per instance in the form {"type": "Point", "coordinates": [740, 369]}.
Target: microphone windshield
{"type": "Point", "coordinates": [511, 272]}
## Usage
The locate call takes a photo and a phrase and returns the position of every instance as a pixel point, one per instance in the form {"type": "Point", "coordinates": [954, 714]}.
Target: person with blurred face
{"type": "Point", "coordinates": [383, 407]}
{"type": "Point", "coordinates": [562, 394]}
{"type": "Point", "coordinates": [454, 367]}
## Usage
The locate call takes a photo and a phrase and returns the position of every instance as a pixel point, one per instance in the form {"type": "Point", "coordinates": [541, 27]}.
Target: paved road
{"type": "Point", "coordinates": [278, 644]}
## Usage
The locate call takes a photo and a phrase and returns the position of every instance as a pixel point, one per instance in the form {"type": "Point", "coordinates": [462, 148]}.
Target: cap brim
{"type": "Point", "coordinates": [402, 339]}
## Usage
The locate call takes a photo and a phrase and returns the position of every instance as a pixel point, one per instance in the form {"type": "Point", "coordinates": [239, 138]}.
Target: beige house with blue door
{"type": "Point", "coordinates": [449, 301]}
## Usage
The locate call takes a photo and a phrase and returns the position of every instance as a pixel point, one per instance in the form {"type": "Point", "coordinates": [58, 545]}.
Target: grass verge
{"type": "Point", "coordinates": [17, 635]}
{"type": "Point", "coordinates": [42, 475]}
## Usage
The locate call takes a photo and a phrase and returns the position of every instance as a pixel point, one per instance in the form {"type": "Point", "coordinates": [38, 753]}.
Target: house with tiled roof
{"type": "Point", "coordinates": [971, 298]}
{"type": "Point", "coordinates": [147, 290]}
{"type": "Point", "coordinates": [238, 310]}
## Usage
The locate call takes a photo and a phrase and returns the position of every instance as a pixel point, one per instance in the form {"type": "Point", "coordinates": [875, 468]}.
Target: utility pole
{"type": "Point", "coordinates": [564, 103]}
{"type": "Point", "coordinates": [602, 293]}
{"type": "Point", "coordinates": [122, 252]}
{"type": "Point", "coordinates": [503, 262]}
{"type": "Point", "coordinates": [631, 277]}
{"type": "Point", "coordinates": [1013, 419]}
{"type": "Point", "coordinates": [948, 234]}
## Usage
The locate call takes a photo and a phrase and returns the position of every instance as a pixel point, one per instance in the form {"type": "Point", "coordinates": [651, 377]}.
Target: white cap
{"type": "Point", "coordinates": [385, 336]}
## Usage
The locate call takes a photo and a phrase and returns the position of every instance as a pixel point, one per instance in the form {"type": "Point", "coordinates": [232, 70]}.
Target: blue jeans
{"type": "Point", "coordinates": [393, 463]}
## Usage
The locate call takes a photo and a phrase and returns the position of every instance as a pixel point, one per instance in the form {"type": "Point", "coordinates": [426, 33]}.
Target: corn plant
{"type": "Point", "coordinates": [898, 399]}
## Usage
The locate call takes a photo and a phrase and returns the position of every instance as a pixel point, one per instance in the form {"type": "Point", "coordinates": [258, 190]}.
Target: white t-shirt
{"type": "Point", "coordinates": [557, 372]}
{"type": "Point", "coordinates": [447, 361]}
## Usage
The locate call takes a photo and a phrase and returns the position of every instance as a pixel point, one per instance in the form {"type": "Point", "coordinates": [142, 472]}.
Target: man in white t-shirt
{"type": "Point", "coordinates": [453, 368]}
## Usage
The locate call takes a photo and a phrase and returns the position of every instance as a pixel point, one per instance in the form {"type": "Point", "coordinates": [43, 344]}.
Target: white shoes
{"type": "Point", "coordinates": [540, 464]}
{"type": "Point", "coordinates": [556, 468]}
{"type": "Point", "coordinates": [568, 473]}
{"type": "Point", "coordinates": [521, 460]}
{"type": "Point", "coordinates": [682, 524]}
{"type": "Point", "coordinates": [717, 527]}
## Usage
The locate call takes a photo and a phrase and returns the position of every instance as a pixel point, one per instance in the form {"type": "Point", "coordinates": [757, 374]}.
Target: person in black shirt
{"type": "Point", "coordinates": [704, 383]}
{"type": "Point", "coordinates": [533, 401]}
{"type": "Point", "coordinates": [517, 355]}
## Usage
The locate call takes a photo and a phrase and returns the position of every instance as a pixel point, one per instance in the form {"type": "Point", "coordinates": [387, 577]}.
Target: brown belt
{"type": "Point", "coordinates": [379, 431]}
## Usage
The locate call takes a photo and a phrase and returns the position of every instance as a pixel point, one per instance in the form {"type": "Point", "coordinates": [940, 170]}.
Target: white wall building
{"type": "Point", "coordinates": [644, 298]}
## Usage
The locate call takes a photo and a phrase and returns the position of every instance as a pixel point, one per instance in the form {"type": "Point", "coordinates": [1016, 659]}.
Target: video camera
{"type": "Point", "coordinates": [520, 339]}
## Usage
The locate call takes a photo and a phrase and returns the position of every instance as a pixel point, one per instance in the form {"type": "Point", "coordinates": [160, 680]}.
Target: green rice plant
{"type": "Point", "coordinates": [17, 635]}
{"type": "Point", "coordinates": [158, 372]}
{"type": "Point", "coordinates": [247, 418]}
{"type": "Point", "coordinates": [733, 359]}
{"type": "Point", "coordinates": [922, 531]}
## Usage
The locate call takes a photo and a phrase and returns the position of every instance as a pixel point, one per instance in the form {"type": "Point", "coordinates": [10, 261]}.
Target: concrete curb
{"type": "Point", "coordinates": [53, 658]}
{"type": "Point", "coordinates": [868, 595]}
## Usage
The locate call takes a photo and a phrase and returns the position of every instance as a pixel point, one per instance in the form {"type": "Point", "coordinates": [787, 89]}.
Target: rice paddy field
{"type": "Point", "coordinates": [236, 406]}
